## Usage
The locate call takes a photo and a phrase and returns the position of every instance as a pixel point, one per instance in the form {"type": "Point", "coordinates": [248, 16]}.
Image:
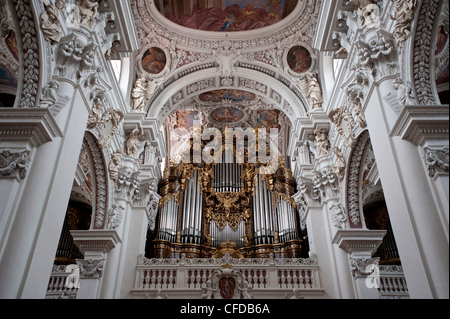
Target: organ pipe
{"type": "Point", "coordinates": [209, 204]}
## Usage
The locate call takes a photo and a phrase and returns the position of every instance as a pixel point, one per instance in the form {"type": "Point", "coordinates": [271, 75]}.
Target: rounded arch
{"type": "Point", "coordinates": [101, 186]}
{"type": "Point", "coordinates": [422, 52]}
{"type": "Point", "coordinates": [263, 85]}
{"type": "Point", "coordinates": [353, 187]}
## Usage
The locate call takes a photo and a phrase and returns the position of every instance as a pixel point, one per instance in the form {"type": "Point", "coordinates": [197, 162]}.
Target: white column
{"type": "Point", "coordinates": [414, 209]}
{"type": "Point", "coordinates": [95, 246]}
{"type": "Point", "coordinates": [31, 242]}
{"type": "Point", "coordinates": [361, 244]}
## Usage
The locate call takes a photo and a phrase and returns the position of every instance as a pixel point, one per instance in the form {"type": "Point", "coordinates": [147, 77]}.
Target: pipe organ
{"type": "Point", "coordinates": [207, 209]}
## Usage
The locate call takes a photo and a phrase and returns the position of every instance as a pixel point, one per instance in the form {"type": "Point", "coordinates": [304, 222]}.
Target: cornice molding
{"type": "Point", "coordinates": [98, 241]}
{"type": "Point", "coordinates": [359, 241]}
{"type": "Point", "coordinates": [418, 124]}
{"type": "Point", "coordinates": [36, 126]}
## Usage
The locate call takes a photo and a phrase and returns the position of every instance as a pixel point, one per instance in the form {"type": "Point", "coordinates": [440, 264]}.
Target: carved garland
{"type": "Point", "coordinates": [423, 46]}
{"type": "Point", "coordinates": [353, 186]}
{"type": "Point", "coordinates": [101, 184]}
{"type": "Point", "coordinates": [30, 53]}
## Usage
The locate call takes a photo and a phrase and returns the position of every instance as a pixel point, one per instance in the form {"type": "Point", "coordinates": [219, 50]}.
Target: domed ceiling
{"type": "Point", "coordinates": [207, 62]}
{"type": "Point", "coordinates": [225, 15]}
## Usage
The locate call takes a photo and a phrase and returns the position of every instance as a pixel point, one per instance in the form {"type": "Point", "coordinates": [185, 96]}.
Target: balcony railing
{"type": "Point", "coordinates": [266, 277]}
{"type": "Point", "coordinates": [392, 283]}
{"type": "Point", "coordinates": [63, 282]}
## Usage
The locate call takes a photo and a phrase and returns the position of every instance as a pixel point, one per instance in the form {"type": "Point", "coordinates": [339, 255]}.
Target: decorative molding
{"type": "Point", "coordinates": [422, 52]}
{"type": "Point", "coordinates": [95, 241]}
{"type": "Point", "coordinates": [36, 126]}
{"type": "Point", "coordinates": [101, 183]}
{"type": "Point", "coordinates": [30, 53]}
{"type": "Point", "coordinates": [359, 241]}
{"type": "Point", "coordinates": [418, 124]}
{"type": "Point", "coordinates": [227, 260]}
{"type": "Point", "coordinates": [353, 182]}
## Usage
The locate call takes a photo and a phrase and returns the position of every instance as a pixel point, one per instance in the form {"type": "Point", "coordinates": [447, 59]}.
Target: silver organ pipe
{"type": "Point", "coordinates": [168, 221]}
{"type": "Point", "coordinates": [286, 221]}
{"type": "Point", "coordinates": [272, 211]}
{"type": "Point", "coordinates": [192, 212]}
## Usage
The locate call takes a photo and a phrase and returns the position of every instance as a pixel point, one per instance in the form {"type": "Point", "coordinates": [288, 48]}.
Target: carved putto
{"type": "Point", "coordinates": [403, 16]}
{"type": "Point", "coordinates": [358, 113]}
{"type": "Point", "coordinates": [314, 92]}
{"type": "Point", "coordinates": [322, 143]}
{"type": "Point", "coordinates": [86, 12]}
{"type": "Point", "coordinates": [142, 91]}
{"type": "Point", "coordinates": [369, 13]}
{"type": "Point", "coordinates": [132, 145]}
{"type": "Point", "coordinates": [50, 25]}
{"type": "Point", "coordinates": [49, 94]}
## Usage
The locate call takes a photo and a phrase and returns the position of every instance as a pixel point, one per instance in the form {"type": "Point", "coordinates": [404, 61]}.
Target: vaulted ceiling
{"type": "Point", "coordinates": [223, 62]}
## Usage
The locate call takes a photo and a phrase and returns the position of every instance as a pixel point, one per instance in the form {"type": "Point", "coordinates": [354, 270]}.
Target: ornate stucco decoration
{"type": "Point", "coordinates": [436, 161]}
{"type": "Point", "coordinates": [353, 182]}
{"type": "Point", "coordinates": [227, 283]}
{"type": "Point", "coordinates": [368, 12]}
{"type": "Point", "coordinates": [50, 25]}
{"type": "Point", "coordinates": [404, 12]}
{"type": "Point", "coordinates": [363, 266]}
{"type": "Point", "coordinates": [91, 268]}
{"type": "Point", "coordinates": [115, 216]}
{"type": "Point", "coordinates": [30, 53]}
{"type": "Point", "coordinates": [423, 47]}
{"type": "Point", "coordinates": [101, 181]}
{"type": "Point", "coordinates": [337, 214]}
{"type": "Point", "coordinates": [14, 164]}
{"type": "Point", "coordinates": [226, 54]}
{"type": "Point", "coordinates": [344, 122]}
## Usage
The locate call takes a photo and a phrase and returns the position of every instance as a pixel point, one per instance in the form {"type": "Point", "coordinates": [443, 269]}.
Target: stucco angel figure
{"type": "Point", "coordinates": [95, 116]}
{"type": "Point", "coordinates": [322, 143]}
{"type": "Point", "coordinates": [86, 12]}
{"type": "Point", "coordinates": [143, 90]}
{"type": "Point", "coordinates": [50, 25]}
{"type": "Point", "coordinates": [369, 13]}
{"type": "Point", "coordinates": [50, 94]}
{"type": "Point", "coordinates": [404, 14]}
{"type": "Point", "coordinates": [132, 143]}
{"type": "Point", "coordinates": [314, 92]}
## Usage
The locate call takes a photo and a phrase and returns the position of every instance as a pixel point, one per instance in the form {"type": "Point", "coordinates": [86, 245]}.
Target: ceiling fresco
{"type": "Point", "coordinates": [225, 94]}
{"type": "Point", "coordinates": [225, 15]}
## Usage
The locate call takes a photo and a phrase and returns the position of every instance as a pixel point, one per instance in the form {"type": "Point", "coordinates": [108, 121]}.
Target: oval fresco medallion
{"type": "Point", "coordinates": [225, 15]}
{"type": "Point", "coordinates": [154, 60]}
{"type": "Point", "coordinates": [226, 94]}
{"type": "Point", "coordinates": [227, 115]}
{"type": "Point", "coordinates": [299, 59]}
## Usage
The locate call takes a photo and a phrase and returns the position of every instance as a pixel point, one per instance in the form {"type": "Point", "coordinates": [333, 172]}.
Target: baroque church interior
{"type": "Point", "coordinates": [224, 149]}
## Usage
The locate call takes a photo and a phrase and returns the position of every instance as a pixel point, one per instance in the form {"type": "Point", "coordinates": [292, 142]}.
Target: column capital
{"type": "Point", "coordinates": [95, 244]}
{"type": "Point", "coordinates": [33, 126]}
{"type": "Point", "coordinates": [419, 124]}
{"type": "Point", "coordinates": [359, 242]}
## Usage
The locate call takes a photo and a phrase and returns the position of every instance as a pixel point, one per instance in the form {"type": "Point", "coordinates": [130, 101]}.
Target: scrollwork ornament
{"type": "Point", "coordinates": [436, 161]}
{"type": "Point", "coordinates": [363, 266]}
{"type": "Point", "coordinates": [91, 268]}
{"type": "Point", "coordinates": [14, 164]}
